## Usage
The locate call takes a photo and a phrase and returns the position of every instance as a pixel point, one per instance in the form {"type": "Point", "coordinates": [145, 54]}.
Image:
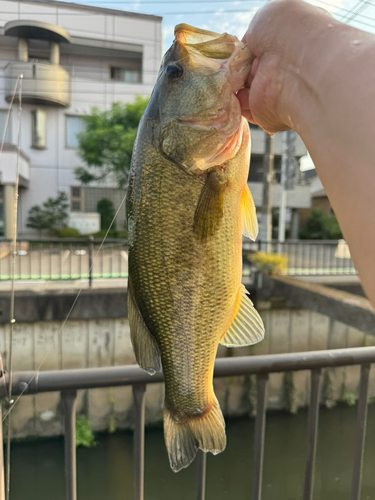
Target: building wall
{"type": "Point", "coordinates": [115, 37]}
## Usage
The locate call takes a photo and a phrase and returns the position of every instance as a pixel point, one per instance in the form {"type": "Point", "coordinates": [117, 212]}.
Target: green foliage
{"type": "Point", "coordinates": [37, 219]}
{"type": "Point", "coordinates": [68, 232]}
{"type": "Point", "coordinates": [84, 434]}
{"type": "Point", "coordinates": [106, 145]}
{"type": "Point", "coordinates": [107, 213]}
{"type": "Point", "coordinates": [51, 215]}
{"type": "Point", "coordinates": [319, 226]}
{"type": "Point", "coordinates": [111, 234]}
{"type": "Point", "coordinates": [349, 398]}
{"type": "Point", "coordinates": [269, 263]}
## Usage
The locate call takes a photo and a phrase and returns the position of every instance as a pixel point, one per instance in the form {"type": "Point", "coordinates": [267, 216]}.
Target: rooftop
{"type": "Point", "coordinates": [89, 8]}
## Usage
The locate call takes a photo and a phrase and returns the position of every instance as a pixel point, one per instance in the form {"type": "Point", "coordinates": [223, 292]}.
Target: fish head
{"type": "Point", "coordinates": [194, 104]}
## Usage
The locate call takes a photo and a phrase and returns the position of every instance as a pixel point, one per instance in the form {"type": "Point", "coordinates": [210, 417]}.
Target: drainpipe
{"type": "Point", "coordinates": [55, 53]}
{"type": "Point", "coordinates": [23, 50]}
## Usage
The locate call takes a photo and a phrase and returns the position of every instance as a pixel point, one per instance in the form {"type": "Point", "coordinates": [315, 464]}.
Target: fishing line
{"type": "Point", "coordinates": [68, 315]}
{"type": "Point", "coordinates": [14, 253]}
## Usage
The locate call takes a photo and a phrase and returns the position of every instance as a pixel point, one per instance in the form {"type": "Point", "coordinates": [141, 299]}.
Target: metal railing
{"type": "Point", "coordinates": [309, 257]}
{"type": "Point", "coordinates": [65, 259]}
{"type": "Point", "coordinates": [69, 381]}
{"type": "Point", "coordinates": [78, 258]}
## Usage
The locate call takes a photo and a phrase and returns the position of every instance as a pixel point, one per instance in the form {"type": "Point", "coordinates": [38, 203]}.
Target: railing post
{"type": "Point", "coordinates": [2, 476]}
{"type": "Point", "coordinates": [360, 433]}
{"type": "Point", "coordinates": [91, 246]}
{"type": "Point", "coordinates": [260, 428]}
{"type": "Point", "coordinates": [201, 475]}
{"type": "Point", "coordinates": [69, 399]}
{"type": "Point", "coordinates": [139, 393]}
{"type": "Point", "coordinates": [312, 433]}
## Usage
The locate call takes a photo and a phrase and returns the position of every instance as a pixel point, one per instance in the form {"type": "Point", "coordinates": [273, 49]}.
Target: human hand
{"type": "Point", "coordinates": [279, 37]}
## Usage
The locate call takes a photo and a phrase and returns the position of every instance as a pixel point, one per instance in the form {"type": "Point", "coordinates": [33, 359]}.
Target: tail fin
{"type": "Point", "coordinates": [184, 437]}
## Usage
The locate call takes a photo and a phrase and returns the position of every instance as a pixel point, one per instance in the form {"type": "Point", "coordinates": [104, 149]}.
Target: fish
{"type": "Point", "coordinates": [188, 205]}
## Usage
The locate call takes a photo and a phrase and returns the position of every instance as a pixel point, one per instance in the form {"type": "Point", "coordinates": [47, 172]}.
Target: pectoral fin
{"type": "Point", "coordinates": [247, 326]}
{"type": "Point", "coordinates": [144, 343]}
{"type": "Point", "coordinates": [209, 211]}
{"type": "Point", "coordinates": [248, 214]}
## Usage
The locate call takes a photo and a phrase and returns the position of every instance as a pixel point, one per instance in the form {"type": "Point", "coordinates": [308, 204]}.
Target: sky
{"type": "Point", "coordinates": [231, 16]}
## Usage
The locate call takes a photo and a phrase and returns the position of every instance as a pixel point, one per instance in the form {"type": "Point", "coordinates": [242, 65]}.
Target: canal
{"type": "Point", "coordinates": [105, 472]}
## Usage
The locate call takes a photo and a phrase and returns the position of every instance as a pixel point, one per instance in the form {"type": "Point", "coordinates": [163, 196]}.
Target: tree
{"type": "Point", "coordinates": [106, 145]}
{"type": "Point", "coordinates": [36, 219]}
{"type": "Point", "coordinates": [319, 226]}
{"type": "Point", "coordinates": [107, 213]}
{"type": "Point", "coordinates": [52, 214]}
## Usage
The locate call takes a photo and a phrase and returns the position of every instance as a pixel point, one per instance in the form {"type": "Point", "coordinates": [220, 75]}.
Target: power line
{"type": "Point", "coordinates": [359, 10]}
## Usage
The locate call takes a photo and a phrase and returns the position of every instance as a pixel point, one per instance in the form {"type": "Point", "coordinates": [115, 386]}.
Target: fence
{"type": "Point", "coordinates": [65, 259]}
{"type": "Point", "coordinates": [69, 381]}
{"type": "Point", "coordinates": [78, 258]}
{"type": "Point", "coordinates": [309, 257]}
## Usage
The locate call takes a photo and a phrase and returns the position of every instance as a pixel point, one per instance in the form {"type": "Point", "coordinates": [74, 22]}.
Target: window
{"type": "Point", "coordinates": [76, 199]}
{"type": "Point", "coordinates": [3, 120]}
{"type": "Point", "coordinates": [38, 129]}
{"type": "Point", "coordinates": [74, 126]}
{"type": "Point", "coordinates": [125, 75]}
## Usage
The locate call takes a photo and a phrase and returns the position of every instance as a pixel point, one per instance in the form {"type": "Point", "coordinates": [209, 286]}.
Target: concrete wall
{"type": "Point", "coordinates": [106, 342]}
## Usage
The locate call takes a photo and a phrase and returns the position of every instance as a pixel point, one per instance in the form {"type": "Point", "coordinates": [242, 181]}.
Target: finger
{"type": "Point", "coordinates": [243, 97]}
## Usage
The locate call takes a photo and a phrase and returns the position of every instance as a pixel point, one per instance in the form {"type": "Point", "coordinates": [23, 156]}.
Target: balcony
{"type": "Point", "coordinates": [43, 83]}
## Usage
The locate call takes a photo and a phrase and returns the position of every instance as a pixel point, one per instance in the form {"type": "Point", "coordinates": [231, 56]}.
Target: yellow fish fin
{"type": "Point", "coordinates": [185, 435]}
{"type": "Point", "coordinates": [144, 343]}
{"type": "Point", "coordinates": [247, 326]}
{"type": "Point", "coordinates": [209, 211]}
{"type": "Point", "coordinates": [248, 214]}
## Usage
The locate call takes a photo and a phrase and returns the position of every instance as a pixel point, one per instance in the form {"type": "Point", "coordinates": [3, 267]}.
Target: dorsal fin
{"type": "Point", "coordinates": [247, 326]}
{"type": "Point", "coordinates": [248, 214]}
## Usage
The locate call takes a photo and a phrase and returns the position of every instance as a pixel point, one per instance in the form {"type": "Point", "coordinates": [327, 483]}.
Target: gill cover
{"type": "Point", "coordinates": [195, 111]}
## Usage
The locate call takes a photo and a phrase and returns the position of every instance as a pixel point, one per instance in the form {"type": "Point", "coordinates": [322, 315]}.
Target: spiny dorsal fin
{"type": "Point", "coordinates": [209, 211]}
{"type": "Point", "coordinates": [248, 214]}
{"type": "Point", "coordinates": [247, 326]}
{"type": "Point", "coordinates": [144, 343]}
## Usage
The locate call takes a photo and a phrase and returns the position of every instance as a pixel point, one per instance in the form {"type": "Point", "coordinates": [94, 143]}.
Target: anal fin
{"type": "Point", "coordinates": [144, 343]}
{"type": "Point", "coordinates": [247, 326]}
{"type": "Point", "coordinates": [248, 214]}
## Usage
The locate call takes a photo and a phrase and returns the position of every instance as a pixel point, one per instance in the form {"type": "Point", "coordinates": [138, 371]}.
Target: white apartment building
{"type": "Point", "coordinates": [72, 57]}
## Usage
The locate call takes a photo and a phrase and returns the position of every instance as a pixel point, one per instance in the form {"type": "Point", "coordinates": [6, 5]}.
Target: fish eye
{"type": "Point", "coordinates": [174, 71]}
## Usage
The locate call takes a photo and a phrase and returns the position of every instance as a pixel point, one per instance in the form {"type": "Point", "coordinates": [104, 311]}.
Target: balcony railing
{"type": "Point", "coordinates": [43, 82]}
{"type": "Point", "coordinates": [69, 381]}
{"type": "Point", "coordinates": [78, 258]}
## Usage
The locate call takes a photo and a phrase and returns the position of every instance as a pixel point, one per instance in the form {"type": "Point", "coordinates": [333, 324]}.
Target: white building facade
{"type": "Point", "coordinates": [72, 57]}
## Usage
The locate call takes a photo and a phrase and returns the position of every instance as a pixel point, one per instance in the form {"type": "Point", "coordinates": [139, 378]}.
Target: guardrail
{"type": "Point", "coordinates": [65, 259]}
{"type": "Point", "coordinates": [69, 381]}
{"type": "Point", "coordinates": [309, 257]}
{"type": "Point", "coordinates": [78, 258]}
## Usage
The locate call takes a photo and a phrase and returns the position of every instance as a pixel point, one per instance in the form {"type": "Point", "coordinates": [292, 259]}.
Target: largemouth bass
{"type": "Point", "coordinates": [188, 205]}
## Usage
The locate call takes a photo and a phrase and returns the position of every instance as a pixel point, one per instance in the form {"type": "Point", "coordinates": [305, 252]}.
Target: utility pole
{"type": "Point", "coordinates": [286, 181]}
{"type": "Point", "coordinates": [266, 219]}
